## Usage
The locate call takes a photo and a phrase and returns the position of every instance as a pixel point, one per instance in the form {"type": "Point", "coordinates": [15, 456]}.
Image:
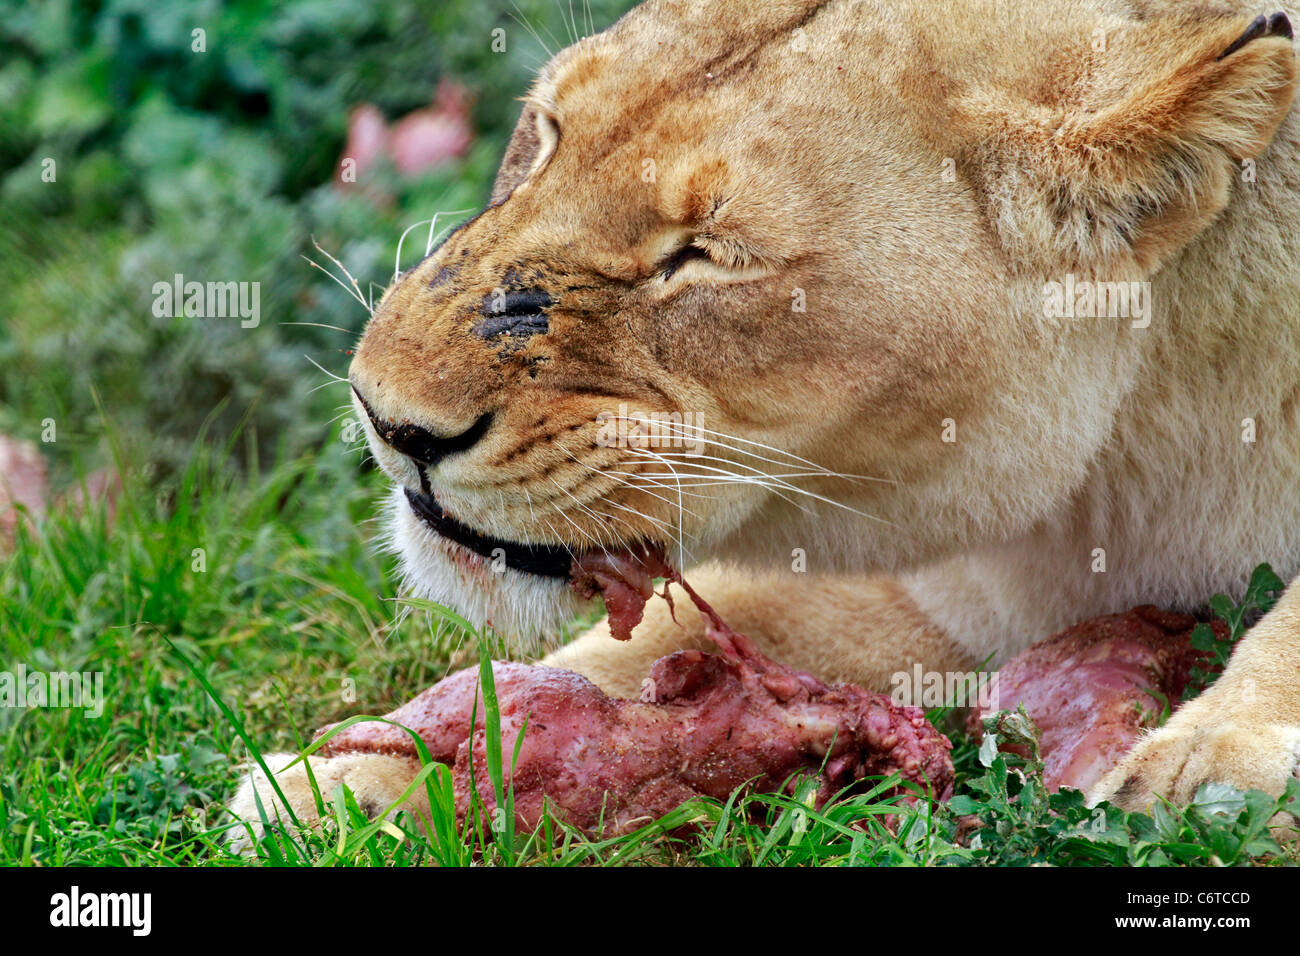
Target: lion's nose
{"type": "Point", "coordinates": [420, 444]}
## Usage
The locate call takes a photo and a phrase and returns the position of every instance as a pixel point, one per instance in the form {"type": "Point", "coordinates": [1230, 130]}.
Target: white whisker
{"type": "Point", "coordinates": [675, 536]}
{"type": "Point", "coordinates": [429, 243]}
{"type": "Point", "coordinates": [615, 475]}
{"type": "Point", "coordinates": [558, 537]}
{"type": "Point", "coordinates": [341, 283]}
{"type": "Point", "coordinates": [322, 325]}
{"type": "Point", "coordinates": [355, 290]}
{"type": "Point", "coordinates": [592, 537]}
{"type": "Point", "coordinates": [397, 260]}
{"type": "Point", "coordinates": [693, 431]}
{"type": "Point", "coordinates": [760, 479]}
{"type": "Point", "coordinates": [681, 555]}
{"type": "Point", "coordinates": [522, 20]}
{"type": "Point", "coordinates": [336, 379]}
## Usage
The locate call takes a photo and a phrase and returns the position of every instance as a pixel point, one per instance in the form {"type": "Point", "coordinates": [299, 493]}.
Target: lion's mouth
{"type": "Point", "coordinates": [623, 577]}
{"type": "Point", "coordinates": [546, 560]}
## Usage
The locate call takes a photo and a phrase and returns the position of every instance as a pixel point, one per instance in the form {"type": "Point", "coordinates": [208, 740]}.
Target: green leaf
{"type": "Point", "coordinates": [1219, 799]}
{"type": "Point", "coordinates": [988, 751]}
{"type": "Point", "coordinates": [963, 804]}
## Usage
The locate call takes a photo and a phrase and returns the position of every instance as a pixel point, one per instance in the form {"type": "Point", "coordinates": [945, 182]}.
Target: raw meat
{"type": "Point", "coordinates": [706, 724]}
{"type": "Point", "coordinates": [625, 579]}
{"type": "Point", "coordinates": [1088, 688]}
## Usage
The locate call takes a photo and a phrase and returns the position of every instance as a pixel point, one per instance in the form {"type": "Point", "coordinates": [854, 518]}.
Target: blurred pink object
{"type": "Point", "coordinates": [421, 140]}
{"type": "Point", "coordinates": [101, 487]}
{"type": "Point", "coordinates": [23, 481]}
{"type": "Point", "coordinates": [367, 142]}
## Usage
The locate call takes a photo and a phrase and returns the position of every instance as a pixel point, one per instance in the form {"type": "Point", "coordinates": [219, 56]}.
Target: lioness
{"type": "Point", "coordinates": [850, 274]}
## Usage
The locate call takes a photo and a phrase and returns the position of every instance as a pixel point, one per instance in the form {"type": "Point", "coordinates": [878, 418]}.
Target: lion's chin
{"type": "Point", "coordinates": [529, 609]}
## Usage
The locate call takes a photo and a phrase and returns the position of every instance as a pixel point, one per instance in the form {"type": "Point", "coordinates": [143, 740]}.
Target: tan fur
{"type": "Point", "coordinates": [1244, 730]}
{"type": "Point", "coordinates": [917, 172]}
{"type": "Point", "coordinates": [376, 780]}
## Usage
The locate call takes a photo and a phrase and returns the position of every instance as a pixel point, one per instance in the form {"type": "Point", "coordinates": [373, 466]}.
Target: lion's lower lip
{"type": "Point", "coordinates": [545, 560]}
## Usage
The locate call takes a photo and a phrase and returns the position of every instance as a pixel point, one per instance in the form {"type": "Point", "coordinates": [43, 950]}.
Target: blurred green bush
{"type": "Point", "coordinates": [217, 165]}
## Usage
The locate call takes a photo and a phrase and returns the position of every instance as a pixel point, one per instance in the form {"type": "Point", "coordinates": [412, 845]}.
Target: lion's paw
{"type": "Point", "coordinates": [376, 780]}
{"type": "Point", "coordinates": [1204, 742]}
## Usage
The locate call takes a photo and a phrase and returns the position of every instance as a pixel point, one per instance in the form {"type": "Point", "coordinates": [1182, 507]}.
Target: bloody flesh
{"type": "Point", "coordinates": [706, 724]}
{"type": "Point", "coordinates": [1096, 687]}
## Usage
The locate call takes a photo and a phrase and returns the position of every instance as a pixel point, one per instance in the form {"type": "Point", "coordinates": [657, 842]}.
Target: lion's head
{"type": "Point", "coordinates": [758, 277]}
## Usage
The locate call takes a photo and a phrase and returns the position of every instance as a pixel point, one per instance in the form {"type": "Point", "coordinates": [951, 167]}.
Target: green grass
{"type": "Point", "coordinates": [234, 610]}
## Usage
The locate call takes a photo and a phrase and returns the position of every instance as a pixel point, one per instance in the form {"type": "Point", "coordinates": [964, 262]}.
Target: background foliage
{"type": "Point", "coordinates": [217, 165]}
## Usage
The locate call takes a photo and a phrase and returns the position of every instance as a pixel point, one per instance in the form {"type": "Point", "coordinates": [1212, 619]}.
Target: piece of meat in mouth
{"type": "Point", "coordinates": [705, 724]}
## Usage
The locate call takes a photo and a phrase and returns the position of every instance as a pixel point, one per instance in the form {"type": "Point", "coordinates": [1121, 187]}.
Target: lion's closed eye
{"type": "Point", "coordinates": [721, 258]}
{"type": "Point", "coordinates": [674, 261]}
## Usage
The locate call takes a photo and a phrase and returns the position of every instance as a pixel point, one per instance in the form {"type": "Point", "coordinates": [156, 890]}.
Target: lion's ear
{"type": "Point", "coordinates": [1146, 154]}
{"type": "Point", "coordinates": [530, 147]}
